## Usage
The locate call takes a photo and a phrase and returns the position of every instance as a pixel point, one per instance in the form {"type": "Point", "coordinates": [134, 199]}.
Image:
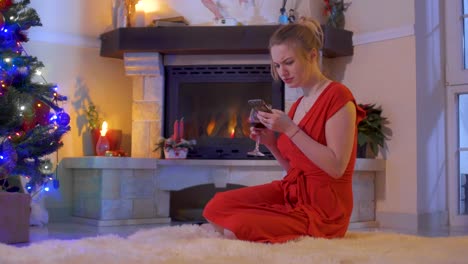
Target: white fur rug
{"type": "Point", "coordinates": [193, 244]}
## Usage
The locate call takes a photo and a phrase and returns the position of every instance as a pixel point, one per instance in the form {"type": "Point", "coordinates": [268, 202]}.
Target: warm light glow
{"type": "Point", "coordinates": [148, 6]}
{"type": "Point", "coordinates": [233, 132]}
{"type": "Point", "coordinates": [104, 129]}
{"type": "Point", "coordinates": [139, 6]}
{"type": "Point", "coordinates": [39, 105]}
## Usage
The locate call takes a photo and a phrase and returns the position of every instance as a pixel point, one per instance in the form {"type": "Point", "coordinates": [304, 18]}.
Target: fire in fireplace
{"type": "Point", "coordinates": [212, 99]}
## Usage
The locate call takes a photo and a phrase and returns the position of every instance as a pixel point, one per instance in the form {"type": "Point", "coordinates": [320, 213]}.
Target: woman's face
{"type": "Point", "coordinates": [291, 68]}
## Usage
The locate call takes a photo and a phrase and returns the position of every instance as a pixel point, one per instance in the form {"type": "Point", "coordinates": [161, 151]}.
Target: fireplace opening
{"type": "Point", "coordinates": [187, 205]}
{"type": "Point", "coordinates": [212, 99]}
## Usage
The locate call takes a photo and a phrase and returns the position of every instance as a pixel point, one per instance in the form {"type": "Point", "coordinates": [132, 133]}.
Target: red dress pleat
{"type": "Point", "coordinates": [307, 201]}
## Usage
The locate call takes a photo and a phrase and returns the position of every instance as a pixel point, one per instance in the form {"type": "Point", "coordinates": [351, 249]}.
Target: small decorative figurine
{"type": "Point", "coordinates": [283, 18]}
{"type": "Point", "coordinates": [291, 16]}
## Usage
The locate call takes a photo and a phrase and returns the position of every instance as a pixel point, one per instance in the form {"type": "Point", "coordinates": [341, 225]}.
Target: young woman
{"type": "Point", "coordinates": [316, 146]}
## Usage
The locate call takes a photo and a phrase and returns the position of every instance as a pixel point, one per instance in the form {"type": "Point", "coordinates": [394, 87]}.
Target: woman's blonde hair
{"type": "Point", "coordinates": [304, 36]}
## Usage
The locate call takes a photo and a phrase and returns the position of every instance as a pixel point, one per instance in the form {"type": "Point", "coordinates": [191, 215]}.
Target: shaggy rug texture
{"type": "Point", "coordinates": [194, 244]}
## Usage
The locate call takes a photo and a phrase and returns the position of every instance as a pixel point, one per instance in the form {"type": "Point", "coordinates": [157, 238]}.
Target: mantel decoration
{"type": "Point", "coordinates": [283, 18]}
{"type": "Point", "coordinates": [123, 12]}
{"type": "Point", "coordinates": [334, 10]}
{"type": "Point", "coordinates": [105, 141]}
{"type": "Point", "coordinates": [372, 131]}
{"type": "Point", "coordinates": [176, 147]}
{"type": "Point", "coordinates": [223, 11]}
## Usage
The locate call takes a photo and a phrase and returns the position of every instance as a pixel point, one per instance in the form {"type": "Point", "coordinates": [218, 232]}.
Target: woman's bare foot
{"type": "Point", "coordinates": [216, 228]}
{"type": "Point", "coordinates": [229, 234]}
{"type": "Point", "coordinates": [208, 227]}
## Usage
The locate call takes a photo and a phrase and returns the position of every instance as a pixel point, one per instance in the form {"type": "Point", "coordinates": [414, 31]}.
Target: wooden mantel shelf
{"type": "Point", "coordinates": [209, 40]}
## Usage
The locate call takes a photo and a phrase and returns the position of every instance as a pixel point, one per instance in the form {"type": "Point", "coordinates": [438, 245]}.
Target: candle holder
{"type": "Point", "coordinates": [130, 8]}
{"type": "Point", "coordinates": [113, 136]}
{"type": "Point", "coordinates": [102, 146]}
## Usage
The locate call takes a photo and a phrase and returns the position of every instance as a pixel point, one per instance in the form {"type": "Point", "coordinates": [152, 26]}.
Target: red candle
{"type": "Point", "coordinates": [181, 128]}
{"type": "Point", "coordinates": [176, 130]}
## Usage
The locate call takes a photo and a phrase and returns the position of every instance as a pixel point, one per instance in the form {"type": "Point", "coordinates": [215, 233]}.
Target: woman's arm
{"type": "Point", "coordinates": [340, 131]}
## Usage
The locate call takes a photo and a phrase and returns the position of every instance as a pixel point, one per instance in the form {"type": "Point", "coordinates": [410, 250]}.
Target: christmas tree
{"type": "Point", "coordinates": [31, 121]}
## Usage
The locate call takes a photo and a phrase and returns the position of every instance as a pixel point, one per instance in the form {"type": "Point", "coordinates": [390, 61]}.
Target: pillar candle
{"type": "Point", "coordinates": [176, 130]}
{"type": "Point", "coordinates": [139, 19]}
{"type": "Point", "coordinates": [181, 128]}
{"type": "Point", "coordinates": [139, 15]}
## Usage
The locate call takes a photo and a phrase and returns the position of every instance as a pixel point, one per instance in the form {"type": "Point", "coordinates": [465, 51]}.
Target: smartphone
{"type": "Point", "coordinates": [260, 105]}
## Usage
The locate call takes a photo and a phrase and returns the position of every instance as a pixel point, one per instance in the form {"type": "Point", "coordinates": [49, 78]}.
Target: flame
{"type": "Point", "coordinates": [104, 129]}
{"type": "Point", "coordinates": [232, 125]}
{"type": "Point", "coordinates": [147, 6]}
{"type": "Point", "coordinates": [139, 6]}
{"type": "Point", "coordinates": [210, 127]}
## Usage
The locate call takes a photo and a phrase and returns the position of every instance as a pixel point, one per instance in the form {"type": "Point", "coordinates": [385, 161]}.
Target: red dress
{"type": "Point", "coordinates": [307, 201]}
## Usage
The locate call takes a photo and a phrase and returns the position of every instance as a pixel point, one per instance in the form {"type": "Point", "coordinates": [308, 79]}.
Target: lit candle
{"type": "Point", "coordinates": [139, 14]}
{"type": "Point", "coordinates": [233, 132]}
{"type": "Point", "coordinates": [103, 129]}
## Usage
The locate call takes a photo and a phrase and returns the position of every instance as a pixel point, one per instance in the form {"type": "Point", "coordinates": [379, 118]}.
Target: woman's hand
{"type": "Point", "coordinates": [277, 121]}
{"type": "Point", "coordinates": [267, 137]}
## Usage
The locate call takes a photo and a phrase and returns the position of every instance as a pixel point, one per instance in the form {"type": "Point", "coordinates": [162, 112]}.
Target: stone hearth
{"type": "Point", "coordinates": [123, 191]}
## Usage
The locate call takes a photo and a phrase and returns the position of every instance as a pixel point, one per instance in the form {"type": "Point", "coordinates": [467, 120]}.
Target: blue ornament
{"type": "Point", "coordinates": [63, 119]}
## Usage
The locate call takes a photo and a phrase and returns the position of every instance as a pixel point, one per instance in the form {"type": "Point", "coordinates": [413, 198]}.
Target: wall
{"type": "Point", "coordinates": [383, 72]}
{"type": "Point", "coordinates": [404, 73]}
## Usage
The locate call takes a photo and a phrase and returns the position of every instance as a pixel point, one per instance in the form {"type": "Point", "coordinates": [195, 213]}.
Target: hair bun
{"type": "Point", "coordinates": [314, 26]}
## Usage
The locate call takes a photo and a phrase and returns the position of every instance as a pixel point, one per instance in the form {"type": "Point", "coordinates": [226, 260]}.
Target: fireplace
{"type": "Point", "coordinates": [212, 99]}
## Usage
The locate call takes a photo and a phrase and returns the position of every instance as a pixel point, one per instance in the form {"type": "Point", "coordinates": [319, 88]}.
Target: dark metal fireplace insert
{"type": "Point", "coordinates": [212, 99]}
